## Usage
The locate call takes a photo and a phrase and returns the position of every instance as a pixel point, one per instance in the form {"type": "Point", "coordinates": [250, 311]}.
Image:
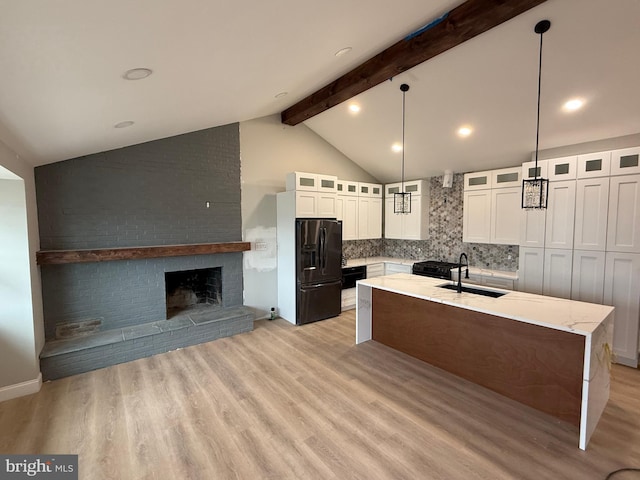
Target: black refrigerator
{"type": "Point", "coordinates": [318, 269]}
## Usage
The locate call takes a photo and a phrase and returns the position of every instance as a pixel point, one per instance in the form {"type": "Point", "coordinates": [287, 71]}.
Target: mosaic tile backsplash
{"type": "Point", "coordinates": [445, 236]}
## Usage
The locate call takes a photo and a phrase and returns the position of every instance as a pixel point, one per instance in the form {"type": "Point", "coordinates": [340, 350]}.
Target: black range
{"type": "Point", "coordinates": [434, 268]}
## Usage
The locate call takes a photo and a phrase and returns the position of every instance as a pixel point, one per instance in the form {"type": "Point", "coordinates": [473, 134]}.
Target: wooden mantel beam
{"type": "Point", "coordinates": [462, 23]}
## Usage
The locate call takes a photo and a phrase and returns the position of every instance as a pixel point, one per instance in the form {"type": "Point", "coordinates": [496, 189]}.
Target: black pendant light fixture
{"type": "Point", "coordinates": [536, 190]}
{"type": "Point", "coordinates": [402, 200]}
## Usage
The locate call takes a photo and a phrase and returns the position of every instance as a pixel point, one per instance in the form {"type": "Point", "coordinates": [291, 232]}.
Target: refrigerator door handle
{"type": "Point", "coordinates": [323, 239]}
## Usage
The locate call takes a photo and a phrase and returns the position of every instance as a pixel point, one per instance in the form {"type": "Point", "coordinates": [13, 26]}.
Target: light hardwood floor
{"type": "Point", "coordinates": [285, 402]}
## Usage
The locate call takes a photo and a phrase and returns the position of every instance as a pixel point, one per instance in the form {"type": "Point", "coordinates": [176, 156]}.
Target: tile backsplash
{"type": "Point", "coordinates": [445, 236]}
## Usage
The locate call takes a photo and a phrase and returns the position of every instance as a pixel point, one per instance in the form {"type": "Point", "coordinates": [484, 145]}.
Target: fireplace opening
{"type": "Point", "coordinates": [188, 290]}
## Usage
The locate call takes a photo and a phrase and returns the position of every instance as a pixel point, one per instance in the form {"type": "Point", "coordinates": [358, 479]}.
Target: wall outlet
{"type": "Point", "coordinates": [260, 246]}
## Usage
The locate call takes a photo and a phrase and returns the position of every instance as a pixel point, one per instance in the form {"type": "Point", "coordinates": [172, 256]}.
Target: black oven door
{"type": "Point", "coordinates": [350, 275]}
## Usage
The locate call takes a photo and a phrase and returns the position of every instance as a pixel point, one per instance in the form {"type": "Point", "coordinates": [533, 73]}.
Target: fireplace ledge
{"type": "Point", "coordinates": [57, 257]}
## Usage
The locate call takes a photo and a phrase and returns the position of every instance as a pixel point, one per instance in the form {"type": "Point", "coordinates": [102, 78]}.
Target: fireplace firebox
{"type": "Point", "coordinates": [188, 290]}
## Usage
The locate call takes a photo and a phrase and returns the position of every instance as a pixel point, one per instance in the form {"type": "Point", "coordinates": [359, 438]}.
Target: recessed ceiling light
{"type": "Point", "coordinates": [354, 108]}
{"type": "Point", "coordinates": [396, 147]}
{"type": "Point", "coordinates": [125, 124]}
{"type": "Point", "coordinates": [281, 94]}
{"type": "Point", "coordinates": [137, 73]}
{"type": "Point", "coordinates": [464, 131]}
{"type": "Point", "coordinates": [573, 105]}
{"type": "Point", "coordinates": [343, 51]}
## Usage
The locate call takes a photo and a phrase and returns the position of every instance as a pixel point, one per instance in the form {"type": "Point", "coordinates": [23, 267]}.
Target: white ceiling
{"type": "Point", "coordinates": [214, 63]}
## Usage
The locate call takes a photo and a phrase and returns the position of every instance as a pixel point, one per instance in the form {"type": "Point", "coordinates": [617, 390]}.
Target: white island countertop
{"type": "Point", "coordinates": [557, 313]}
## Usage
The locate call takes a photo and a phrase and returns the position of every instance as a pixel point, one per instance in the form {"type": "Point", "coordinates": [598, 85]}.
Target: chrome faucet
{"type": "Point", "coordinates": [460, 270]}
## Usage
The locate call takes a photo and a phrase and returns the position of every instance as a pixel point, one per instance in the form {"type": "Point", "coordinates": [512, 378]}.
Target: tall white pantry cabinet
{"type": "Point", "coordinates": [586, 245]}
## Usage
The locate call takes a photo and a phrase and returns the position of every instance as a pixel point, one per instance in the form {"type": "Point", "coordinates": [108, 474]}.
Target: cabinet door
{"type": "Point", "coordinates": [340, 211]}
{"type": "Point", "coordinates": [592, 199]}
{"type": "Point", "coordinates": [560, 215]}
{"type": "Point", "coordinates": [326, 205]}
{"type": "Point", "coordinates": [530, 270]}
{"type": "Point", "coordinates": [375, 218]}
{"type": "Point", "coordinates": [476, 216]}
{"type": "Point", "coordinates": [621, 287]}
{"type": "Point", "coordinates": [392, 221]}
{"type": "Point", "coordinates": [477, 180]}
{"type": "Point", "coordinates": [302, 181]}
{"type": "Point", "coordinates": [594, 165]}
{"type": "Point", "coordinates": [505, 212]}
{"type": "Point", "coordinates": [532, 229]}
{"type": "Point", "coordinates": [412, 223]}
{"type": "Point", "coordinates": [557, 272]}
{"type": "Point", "coordinates": [363, 217]}
{"type": "Point", "coordinates": [562, 169]}
{"type": "Point", "coordinates": [349, 218]}
{"type": "Point", "coordinates": [506, 177]}
{"type": "Point", "coordinates": [529, 171]}
{"type": "Point", "coordinates": [623, 229]}
{"type": "Point", "coordinates": [587, 282]}
{"type": "Point", "coordinates": [625, 161]}
{"type": "Point", "coordinates": [306, 204]}
{"type": "Point", "coordinates": [327, 183]}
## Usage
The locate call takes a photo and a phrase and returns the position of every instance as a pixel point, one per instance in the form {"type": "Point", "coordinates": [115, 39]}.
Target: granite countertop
{"type": "Point", "coordinates": [557, 313]}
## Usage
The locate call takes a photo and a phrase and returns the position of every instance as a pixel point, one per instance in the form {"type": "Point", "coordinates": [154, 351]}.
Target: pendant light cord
{"type": "Point", "coordinates": [538, 113]}
{"type": "Point", "coordinates": [403, 114]}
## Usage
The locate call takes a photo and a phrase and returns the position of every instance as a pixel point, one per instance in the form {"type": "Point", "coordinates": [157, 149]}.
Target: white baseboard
{"type": "Point", "coordinates": [21, 389]}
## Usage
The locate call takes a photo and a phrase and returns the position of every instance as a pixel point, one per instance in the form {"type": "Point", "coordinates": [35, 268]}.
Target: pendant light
{"type": "Point", "coordinates": [402, 199]}
{"type": "Point", "coordinates": [536, 190]}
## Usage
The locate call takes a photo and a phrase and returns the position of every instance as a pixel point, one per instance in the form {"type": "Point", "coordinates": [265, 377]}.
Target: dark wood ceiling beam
{"type": "Point", "coordinates": [462, 23]}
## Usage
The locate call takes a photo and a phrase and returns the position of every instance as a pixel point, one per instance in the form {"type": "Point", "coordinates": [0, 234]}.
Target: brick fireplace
{"type": "Point", "coordinates": [175, 191]}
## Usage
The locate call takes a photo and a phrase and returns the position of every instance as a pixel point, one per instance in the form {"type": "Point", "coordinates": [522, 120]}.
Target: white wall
{"type": "Point", "coordinates": [21, 319]}
{"type": "Point", "coordinates": [615, 143]}
{"type": "Point", "coordinates": [268, 151]}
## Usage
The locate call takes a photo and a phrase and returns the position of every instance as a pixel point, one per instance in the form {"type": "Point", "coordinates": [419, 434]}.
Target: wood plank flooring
{"type": "Point", "coordinates": [305, 402]}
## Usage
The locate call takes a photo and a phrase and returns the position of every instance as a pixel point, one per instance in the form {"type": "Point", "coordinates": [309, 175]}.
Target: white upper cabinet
{"type": "Point", "coordinates": [369, 217]}
{"type": "Point", "coordinates": [560, 215]}
{"type": "Point", "coordinates": [532, 221]}
{"type": "Point", "coordinates": [530, 270]}
{"type": "Point", "coordinates": [506, 177]}
{"type": "Point", "coordinates": [623, 229]}
{"type": "Point", "coordinates": [312, 182]}
{"type": "Point", "coordinates": [592, 201]}
{"type": "Point", "coordinates": [491, 208]}
{"type": "Point", "coordinates": [560, 169]}
{"type": "Point", "coordinates": [369, 190]}
{"type": "Point", "coordinates": [505, 211]}
{"type": "Point", "coordinates": [477, 180]}
{"type": "Point", "coordinates": [411, 226]}
{"type": "Point", "coordinates": [345, 187]}
{"type": "Point", "coordinates": [529, 170]}
{"type": "Point", "coordinates": [594, 165]}
{"type": "Point", "coordinates": [476, 218]}
{"type": "Point", "coordinates": [625, 161]}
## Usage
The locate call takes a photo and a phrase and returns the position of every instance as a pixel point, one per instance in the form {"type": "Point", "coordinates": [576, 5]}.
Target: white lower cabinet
{"type": "Point", "coordinates": [621, 287]}
{"type": "Point", "coordinates": [587, 283]}
{"type": "Point", "coordinates": [530, 270]}
{"type": "Point", "coordinates": [391, 268]}
{"type": "Point", "coordinates": [557, 272]}
{"type": "Point", "coordinates": [375, 270]}
{"type": "Point", "coordinates": [348, 300]}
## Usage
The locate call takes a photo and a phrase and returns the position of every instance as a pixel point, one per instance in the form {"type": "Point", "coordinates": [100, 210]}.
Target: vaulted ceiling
{"type": "Point", "coordinates": [62, 89]}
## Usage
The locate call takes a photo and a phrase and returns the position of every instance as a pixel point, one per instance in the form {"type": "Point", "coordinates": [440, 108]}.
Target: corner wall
{"type": "Point", "coordinates": [269, 150]}
{"type": "Point", "coordinates": [21, 324]}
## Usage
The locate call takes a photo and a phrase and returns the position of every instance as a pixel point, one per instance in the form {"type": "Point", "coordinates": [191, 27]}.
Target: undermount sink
{"type": "Point", "coordinates": [475, 291]}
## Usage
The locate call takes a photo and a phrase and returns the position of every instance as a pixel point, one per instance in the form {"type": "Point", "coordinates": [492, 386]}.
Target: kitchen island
{"type": "Point", "coordinates": [549, 353]}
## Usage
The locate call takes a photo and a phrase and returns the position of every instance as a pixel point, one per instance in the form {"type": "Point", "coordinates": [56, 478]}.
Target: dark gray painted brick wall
{"type": "Point", "coordinates": [148, 194]}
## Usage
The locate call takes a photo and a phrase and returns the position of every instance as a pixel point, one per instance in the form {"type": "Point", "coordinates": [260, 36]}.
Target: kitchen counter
{"type": "Point", "coordinates": [356, 262]}
{"type": "Point", "coordinates": [549, 353]}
